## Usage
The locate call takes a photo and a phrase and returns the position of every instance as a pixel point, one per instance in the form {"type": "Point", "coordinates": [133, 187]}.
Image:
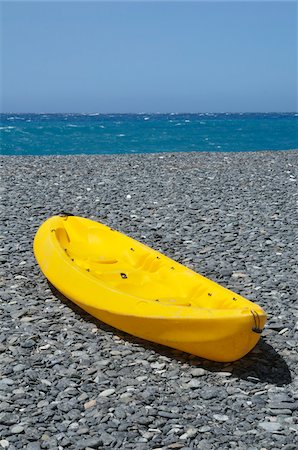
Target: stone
{"type": "Point", "coordinates": [190, 432]}
{"type": "Point", "coordinates": [204, 429]}
{"type": "Point", "coordinates": [238, 275]}
{"type": "Point", "coordinates": [7, 381]}
{"type": "Point", "coordinates": [93, 442]}
{"type": "Point", "coordinates": [92, 403]}
{"type": "Point", "coordinates": [17, 429]}
{"type": "Point", "coordinates": [8, 419]}
{"type": "Point", "coordinates": [33, 446]}
{"type": "Point", "coordinates": [107, 392]}
{"type": "Point", "coordinates": [72, 358]}
{"type": "Point", "coordinates": [208, 393]}
{"type": "Point", "coordinates": [197, 372]}
{"type": "Point", "coordinates": [293, 406]}
{"type": "Point", "coordinates": [270, 427]}
{"type": "Point", "coordinates": [220, 417]}
{"type": "Point", "coordinates": [194, 383]}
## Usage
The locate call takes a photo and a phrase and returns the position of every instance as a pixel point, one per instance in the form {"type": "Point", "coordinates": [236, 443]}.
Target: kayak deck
{"type": "Point", "coordinates": [133, 268]}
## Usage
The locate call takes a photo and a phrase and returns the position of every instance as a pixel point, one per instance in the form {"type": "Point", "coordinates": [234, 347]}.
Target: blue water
{"type": "Point", "coordinates": [53, 134]}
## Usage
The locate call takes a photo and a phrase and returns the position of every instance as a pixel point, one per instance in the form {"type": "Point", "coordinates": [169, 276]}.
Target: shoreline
{"type": "Point", "coordinates": [216, 152]}
{"type": "Point", "coordinates": [71, 381]}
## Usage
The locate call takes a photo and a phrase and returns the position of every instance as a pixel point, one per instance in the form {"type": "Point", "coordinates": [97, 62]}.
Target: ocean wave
{"type": "Point", "coordinates": [55, 135]}
{"type": "Point", "coordinates": [15, 118]}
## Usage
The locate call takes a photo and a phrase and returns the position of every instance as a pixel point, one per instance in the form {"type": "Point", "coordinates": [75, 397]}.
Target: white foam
{"type": "Point", "coordinates": [120, 135]}
{"type": "Point", "coordinates": [146, 118]}
{"type": "Point", "coordinates": [72, 126]}
{"type": "Point", "coordinates": [6, 128]}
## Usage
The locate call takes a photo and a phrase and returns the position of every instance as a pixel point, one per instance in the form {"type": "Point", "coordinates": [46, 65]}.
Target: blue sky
{"type": "Point", "coordinates": [149, 56]}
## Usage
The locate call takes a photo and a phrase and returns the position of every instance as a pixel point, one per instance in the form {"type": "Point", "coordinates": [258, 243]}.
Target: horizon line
{"type": "Point", "coordinates": [148, 112]}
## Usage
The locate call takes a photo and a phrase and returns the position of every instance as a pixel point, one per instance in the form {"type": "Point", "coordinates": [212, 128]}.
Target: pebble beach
{"type": "Point", "coordinates": [69, 381]}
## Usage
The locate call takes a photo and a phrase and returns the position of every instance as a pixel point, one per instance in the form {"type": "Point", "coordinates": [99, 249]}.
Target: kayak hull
{"type": "Point", "coordinates": [117, 279]}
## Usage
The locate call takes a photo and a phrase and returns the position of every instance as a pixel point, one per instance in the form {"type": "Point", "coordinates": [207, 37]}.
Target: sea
{"type": "Point", "coordinates": [96, 133]}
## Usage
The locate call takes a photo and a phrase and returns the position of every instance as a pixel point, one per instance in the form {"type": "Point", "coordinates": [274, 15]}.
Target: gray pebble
{"type": "Point", "coordinates": [204, 429]}
{"type": "Point", "coordinates": [197, 372]}
{"type": "Point", "coordinates": [106, 392]}
{"type": "Point", "coordinates": [4, 443]}
{"type": "Point", "coordinates": [230, 217]}
{"type": "Point", "coordinates": [33, 446]}
{"type": "Point", "coordinates": [270, 427]}
{"type": "Point", "coordinates": [220, 417]}
{"type": "Point", "coordinates": [17, 429]}
{"type": "Point", "coordinates": [193, 384]}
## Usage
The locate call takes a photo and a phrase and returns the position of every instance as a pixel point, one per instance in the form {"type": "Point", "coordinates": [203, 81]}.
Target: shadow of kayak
{"type": "Point", "coordinates": [263, 364]}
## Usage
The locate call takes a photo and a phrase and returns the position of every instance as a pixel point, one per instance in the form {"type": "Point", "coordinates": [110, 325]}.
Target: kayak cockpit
{"type": "Point", "coordinates": [138, 270]}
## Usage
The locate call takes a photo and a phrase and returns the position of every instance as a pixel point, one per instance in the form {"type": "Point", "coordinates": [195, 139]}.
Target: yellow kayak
{"type": "Point", "coordinates": [139, 290]}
